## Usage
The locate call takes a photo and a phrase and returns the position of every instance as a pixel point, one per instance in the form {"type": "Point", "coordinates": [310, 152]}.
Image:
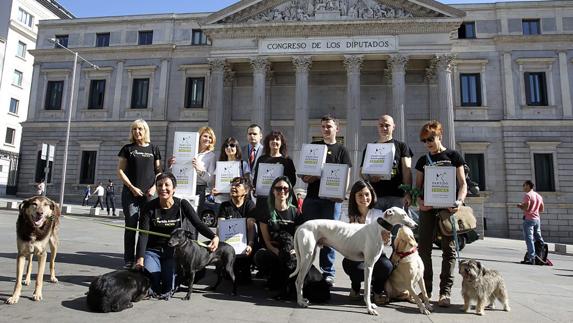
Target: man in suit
{"type": "Point", "coordinates": [253, 150]}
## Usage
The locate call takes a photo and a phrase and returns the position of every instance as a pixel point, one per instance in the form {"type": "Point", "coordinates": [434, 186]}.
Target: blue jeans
{"type": "Point", "coordinates": [531, 233]}
{"type": "Point", "coordinates": [316, 208]}
{"type": "Point", "coordinates": [161, 266]}
{"type": "Point", "coordinates": [131, 206]}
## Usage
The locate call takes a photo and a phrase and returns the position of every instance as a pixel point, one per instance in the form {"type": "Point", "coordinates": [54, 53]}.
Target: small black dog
{"type": "Point", "coordinates": [190, 258]}
{"type": "Point", "coordinates": [115, 291]}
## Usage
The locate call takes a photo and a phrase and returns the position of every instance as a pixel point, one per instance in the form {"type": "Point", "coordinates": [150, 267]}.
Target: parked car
{"type": "Point", "coordinates": [210, 211]}
{"type": "Point", "coordinates": [463, 238]}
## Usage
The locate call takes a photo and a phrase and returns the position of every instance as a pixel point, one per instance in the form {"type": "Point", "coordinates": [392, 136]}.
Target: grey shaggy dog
{"type": "Point", "coordinates": [482, 285]}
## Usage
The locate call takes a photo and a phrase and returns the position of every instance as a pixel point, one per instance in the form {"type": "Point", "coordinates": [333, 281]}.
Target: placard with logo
{"type": "Point", "coordinates": [379, 160]}
{"type": "Point", "coordinates": [312, 158]}
{"type": "Point", "coordinates": [266, 174]}
{"type": "Point", "coordinates": [439, 186]}
{"type": "Point", "coordinates": [185, 148]}
{"type": "Point", "coordinates": [333, 181]}
{"type": "Point", "coordinates": [224, 174]}
{"type": "Point", "coordinates": [233, 232]}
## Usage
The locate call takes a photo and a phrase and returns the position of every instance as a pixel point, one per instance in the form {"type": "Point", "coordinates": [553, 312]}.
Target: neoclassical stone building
{"type": "Point", "coordinates": [496, 75]}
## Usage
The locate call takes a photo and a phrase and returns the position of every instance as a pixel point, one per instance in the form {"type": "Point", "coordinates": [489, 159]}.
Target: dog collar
{"type": "Point", "coordinates": [385, 224]}
{"type": "Point", "coordinates": [407, 253]}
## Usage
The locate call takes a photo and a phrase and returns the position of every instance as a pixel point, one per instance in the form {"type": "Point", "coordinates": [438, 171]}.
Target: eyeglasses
{"type": "Point", "coordinates": [230, 145]}
{"type": "Point", "coordinates": [429, 139]}
{"type": "Point", "coordinates": [284, 189]}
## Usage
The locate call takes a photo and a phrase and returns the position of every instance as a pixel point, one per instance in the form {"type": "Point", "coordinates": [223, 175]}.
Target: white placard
{"type": "Point", "coordinates": [312, 158]}
{"type": "Point", "coordinates": [233, 232]}
{"type": "Point", "coordinates": [185, 148]}
{"type": "Point", "coordinates": [333, 181]}
{"type": "Point", "coordinates": [266, 174]}
{"type": "Point", "coordinates": [379, 160]}
{"type": "Point", "coordinates": [439, 186]}
{"type": "Point", "coordinates": [224, 174]}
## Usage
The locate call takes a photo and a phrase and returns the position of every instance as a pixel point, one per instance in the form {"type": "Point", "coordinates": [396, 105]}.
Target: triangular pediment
{"type": "Point", "coordinates": [277, 11]}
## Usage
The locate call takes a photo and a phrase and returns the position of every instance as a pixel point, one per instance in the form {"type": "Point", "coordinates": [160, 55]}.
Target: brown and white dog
{"type": "Point", "coordinates": [408, 271]}
{"type": "Point", "coordinates": [36, 228]}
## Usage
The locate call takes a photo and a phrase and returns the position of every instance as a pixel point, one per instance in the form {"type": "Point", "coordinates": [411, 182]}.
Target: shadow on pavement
{"type": "Point", "coordinates": [78, 304]}
{"type": "Point", "coordinates": [86, 258]}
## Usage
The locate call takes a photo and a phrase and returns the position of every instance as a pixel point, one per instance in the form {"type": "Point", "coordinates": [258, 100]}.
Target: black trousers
{"type": "Point", "coordinates": [99, 201]}
{"type": "Point", "coordinates": [355, 270]}
{"type": "Point", "coordinates": [109, 201]}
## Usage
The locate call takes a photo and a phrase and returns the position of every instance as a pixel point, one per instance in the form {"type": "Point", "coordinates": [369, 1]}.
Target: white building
{"type": "Point", "coordinates": [498, 76]}
{"type": "Point", "coordinates": [18, 32]}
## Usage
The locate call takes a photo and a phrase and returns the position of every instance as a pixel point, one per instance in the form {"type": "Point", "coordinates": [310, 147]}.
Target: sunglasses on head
{"type": "Point", "coordinates": [230, 145]}
{"type": "Point", "coordinates": [285, 189]}
{"type": "Point", "coordinates": [429, 139]}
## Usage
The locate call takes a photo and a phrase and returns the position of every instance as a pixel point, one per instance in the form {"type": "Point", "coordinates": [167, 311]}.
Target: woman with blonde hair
{"type": "Point", "coordinates": [139, 163]}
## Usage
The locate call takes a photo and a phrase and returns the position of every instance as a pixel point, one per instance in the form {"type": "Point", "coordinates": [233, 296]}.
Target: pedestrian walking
{"type": "Point", "coordinates": [110, 197]}
{"type": "Point", "coordinates": [87, 194]}
{"type": "Point", "coordinates": [99, 192]}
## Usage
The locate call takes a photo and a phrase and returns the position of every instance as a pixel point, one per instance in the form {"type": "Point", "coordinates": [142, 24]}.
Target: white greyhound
{"type": "Point", "coordinates": [358, 242]}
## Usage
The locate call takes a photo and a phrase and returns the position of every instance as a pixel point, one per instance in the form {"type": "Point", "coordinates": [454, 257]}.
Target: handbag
{"type": "Point", "coordinates": [463, 219]}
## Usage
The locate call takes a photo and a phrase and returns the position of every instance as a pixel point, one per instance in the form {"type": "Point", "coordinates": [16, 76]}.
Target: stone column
{"type": "Point", "coordinates": [565, 86]}
{"type": "Point", "coordinates": [431, 77]}
{"type": "Point", "coordinates": [508, 86]}
{"type": "Point", "coordinates": [117, 91]}
{"type": "Point", "coordinates": [34, 105]}
{"type": "Point", "coordinates": [445, 65]}
{"type": "Point", "coordinates": [397, 64]}
{"type": "Point", "coordinates": [76, 115]}
{"type": "Point", "coordinates": [302, 67]}
{"type": "Point", "coordinates": [228, 102]}
{"type": "Point", "coordinates": [161, 111]}
{"type": "Point", "coordinates": [260, 66]}
{"type": "Point", "coordinates": [215, 115]}
{"type": "Point", "coordinates": [353, 63]}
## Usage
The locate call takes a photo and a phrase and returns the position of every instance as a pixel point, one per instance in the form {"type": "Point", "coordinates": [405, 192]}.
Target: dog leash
{"type": "Point", "coordinates": [455, 236]}
{"type": "Point", "coordinates": [128, 228]}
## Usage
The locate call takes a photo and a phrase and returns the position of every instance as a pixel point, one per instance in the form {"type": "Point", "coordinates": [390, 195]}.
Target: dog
{"type": "Point", "coordinates": [115, 291]}
{"type": "Point", "coordinates": [37, 227]}
{"type": "Point", "coordinates": [408, 271]}
{"type": "Point", "coordinates": [482, 285]}
{"type": "Point", "coordinates": [191, 257]}
{"type": "Point", "coordinates": [358, 242]}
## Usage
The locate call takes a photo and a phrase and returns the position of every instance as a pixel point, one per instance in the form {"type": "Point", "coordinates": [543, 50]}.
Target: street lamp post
{"type": "Point", "coordinates": [70, 112]}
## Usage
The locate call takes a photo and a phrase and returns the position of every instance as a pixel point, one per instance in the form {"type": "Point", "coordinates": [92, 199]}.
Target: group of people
{"type": "Point", "coordinates": [269, 216]}
{"type": "Point", "coordinates": [99, 193]}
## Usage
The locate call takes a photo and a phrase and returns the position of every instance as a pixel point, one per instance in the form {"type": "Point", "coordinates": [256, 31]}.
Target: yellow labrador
{"type": "Point", "coordinates": [36, 228]}
{"type": "Point", "coordinates": [408, 270]}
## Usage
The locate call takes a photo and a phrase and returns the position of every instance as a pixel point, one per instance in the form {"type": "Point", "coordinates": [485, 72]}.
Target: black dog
{"type": "Point", "coordinates": [115, 291]}
{"type": "Point", "coordinates": [315, 289]}
{"type": "Point", "coordinates": [191, 257]}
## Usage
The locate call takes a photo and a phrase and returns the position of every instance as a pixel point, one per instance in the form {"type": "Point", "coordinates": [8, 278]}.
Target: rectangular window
{"type": "Point", "coordinates": [41, 169]}
{"type": "Point", "coordinates": [139, 93]}
{"type": "Point", "coordinates": [145, 37]}
{"type": "Point", "coordinates": [14, 103]}
{"type": "Point", "coordinates": [17, 78]}
{"type": "Point", "coordinates": [535, 89]}
{"type": "Point", "coordinates": [476, 163]}
{"type": "Point", "coordinates": [88, 167]}
{"type": "Point", "coordinates": [531, 26]}
{"type": "Point", "coordinates": [97, 94]}
{"type": "Point", "coordinates": [470, 89]}
{"type": "Point", "coordinates": [10, 135]}
{"type": "Point", "coordinates": [467, 30]}
{"type": "Point", "coordinates": [102, 40]}
{"type": "Point", "coordinates": [21, 50]}
{"type": "Point", "coordinates": [54, 92]}
{"type": "Point", "coordinates": [198, 37]}
{"type": "Point", "coordinates": [62, 40]}
{"type": "Point", "coordinates": [544, 174]}
{"type": "Point", "coordinates": [25, 17]}
{"type": "Point", "coordinates": [194, 90]}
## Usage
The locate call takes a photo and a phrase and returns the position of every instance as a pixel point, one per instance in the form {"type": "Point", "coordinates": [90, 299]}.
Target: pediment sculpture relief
{"type": "Point", "coordinates": [305, 10]}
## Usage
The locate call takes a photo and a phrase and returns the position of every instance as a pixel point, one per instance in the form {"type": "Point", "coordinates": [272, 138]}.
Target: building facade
{"type": "Point", "coordinates": [496, 75]}
{"type": "Point", "coordinates": [18, 33]}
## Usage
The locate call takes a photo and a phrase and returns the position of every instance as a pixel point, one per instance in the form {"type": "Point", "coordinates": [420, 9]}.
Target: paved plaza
{"type": "Point", "coordinates": [88, 249]}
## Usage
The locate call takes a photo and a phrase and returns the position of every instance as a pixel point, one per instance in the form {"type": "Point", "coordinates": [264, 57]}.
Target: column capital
{"type": "Point", "coordinates": [397, 62]}
{"type": "Point", "coordinates": [353, 63]}
{"type": "Point", "coordinates": [445, 62]}
{"type": "Point", "coordinates": [260, 64]}
{"type": "Point", "coordinates": [229, 76]}
{"type": "Point", "coordinates": [302, 64]}
{"type": "Point", "coordinates": [217, 64]}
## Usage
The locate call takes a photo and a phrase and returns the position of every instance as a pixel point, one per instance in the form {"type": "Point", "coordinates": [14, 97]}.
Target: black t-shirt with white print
{"type": "Point", "coordinates": [447, 157]}
{"type": "Point", "coordinates": [335, 154]}
{"type": "Point", "coordinates": [140, 164]}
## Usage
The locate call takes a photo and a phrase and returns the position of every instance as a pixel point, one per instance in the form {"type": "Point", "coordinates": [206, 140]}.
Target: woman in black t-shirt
{"type": "Point", "coordinates": [139, 162]}
{"type": "Point", "coordinates": [163, 215]}
{"type": "Point", "coordinates": [431, 136]}
{"type": "Point", "coordinates": [277, 226]}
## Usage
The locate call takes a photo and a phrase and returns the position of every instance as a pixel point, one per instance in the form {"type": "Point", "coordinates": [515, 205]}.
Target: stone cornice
{"type": "Point", "coordinates": [333, 28]}
{"type": "Point", "coordinates": [546, 38]}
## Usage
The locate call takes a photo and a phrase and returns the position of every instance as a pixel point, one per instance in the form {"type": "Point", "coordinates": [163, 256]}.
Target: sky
{"type": "Point", "coordinates": [101, 8]}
